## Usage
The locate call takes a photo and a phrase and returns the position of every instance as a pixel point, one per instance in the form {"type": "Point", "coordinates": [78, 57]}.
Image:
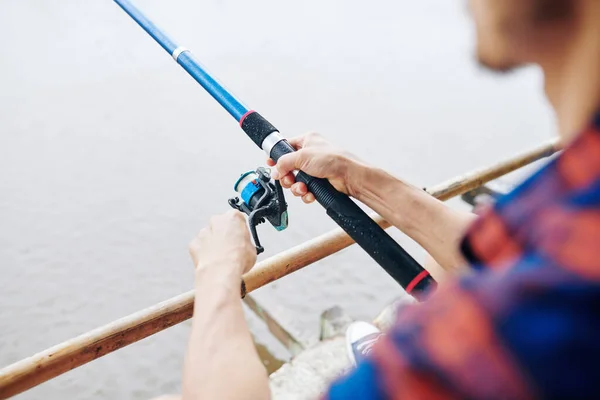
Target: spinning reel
{"type": "Point", "coordinates": [261, 199]}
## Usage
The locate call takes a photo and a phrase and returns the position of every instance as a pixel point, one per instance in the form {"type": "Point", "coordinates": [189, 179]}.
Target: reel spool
{"type": "Point", "coordinates": [261, 198]}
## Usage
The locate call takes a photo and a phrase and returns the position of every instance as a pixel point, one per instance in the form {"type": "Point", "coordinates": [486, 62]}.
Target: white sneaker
{"type": "Point", "coordinates": [360, 338]}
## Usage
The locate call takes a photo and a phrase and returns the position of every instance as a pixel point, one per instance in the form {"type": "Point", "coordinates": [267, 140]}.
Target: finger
{"type": "Point", "coordinates": [193, 246]}
{"type": "Point", "coordinates": [308, 198]}
{"type": "Point", "coordinates": [237, 219]}
{"type": "Point", "coordinates": [203, 233]}
{"type": "Point", "coordinates": [233, 214]}
{"type": "Point", "coordinates": [288, 163]}
{"type": "Point", "coordinates": [237, 216]}
{"type": "Point", "coordinates": [230, 218]}
{"type": "Point", "coordinates": [299, 189]}
{"type": "Point", "coordinates": [168, 397]}
{"type": "Point", "coordinates": [217, 222]}
{"type": "Point", "coordinates": [297, 142]}
{"type": "Point", "coordinates": [288, 180]}
{"type": "Point", "coordinates": [214, 221]}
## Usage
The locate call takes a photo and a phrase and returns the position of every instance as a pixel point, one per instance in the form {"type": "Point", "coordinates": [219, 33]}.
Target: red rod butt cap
{"type": "Point", "coordinates": [417, 279]}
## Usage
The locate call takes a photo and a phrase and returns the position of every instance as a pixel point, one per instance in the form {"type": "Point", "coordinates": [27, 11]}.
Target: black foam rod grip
{"type": "Point", "coordinates": [366, 233]}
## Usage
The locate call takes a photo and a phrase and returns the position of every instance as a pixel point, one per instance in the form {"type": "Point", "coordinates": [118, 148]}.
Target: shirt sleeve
{"type": "Point", "coordinates": [488, 337]}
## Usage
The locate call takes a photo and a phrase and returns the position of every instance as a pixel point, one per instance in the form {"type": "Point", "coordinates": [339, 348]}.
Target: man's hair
{"type": "Point", "coordinates": [553, 10]}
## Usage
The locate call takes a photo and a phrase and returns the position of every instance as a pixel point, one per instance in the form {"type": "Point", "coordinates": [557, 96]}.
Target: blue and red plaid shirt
{"type": "Point", "coordinates": [526, 323]}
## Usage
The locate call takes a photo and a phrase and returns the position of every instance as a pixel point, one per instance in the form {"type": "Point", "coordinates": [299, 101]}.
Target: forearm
{"type": "Point", "coordinates": [221, 360]}
{"type": "Point", "coordinates": [435, 226]}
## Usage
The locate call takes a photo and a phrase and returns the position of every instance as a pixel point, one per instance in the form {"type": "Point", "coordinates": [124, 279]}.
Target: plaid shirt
{"type": "Point", "coordinates": [526, 323]}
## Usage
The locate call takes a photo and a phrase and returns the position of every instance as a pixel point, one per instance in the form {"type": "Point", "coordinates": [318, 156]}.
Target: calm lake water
{"type": "Point", "coordinates": [112, 158]}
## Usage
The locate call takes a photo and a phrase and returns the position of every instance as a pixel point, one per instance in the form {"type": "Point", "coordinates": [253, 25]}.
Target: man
{"type": "Point", "coordinates": [523, 320]}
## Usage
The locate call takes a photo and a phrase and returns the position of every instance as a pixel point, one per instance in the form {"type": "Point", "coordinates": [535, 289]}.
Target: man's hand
{"type": "Point", "coordinates": [318, 158]}
{"type": "Point", "coordinates": [225, 243]}
{"type": "Point", "coordinates": [221, 360]}
{"type": "Point", "coordinates": [437, 228]}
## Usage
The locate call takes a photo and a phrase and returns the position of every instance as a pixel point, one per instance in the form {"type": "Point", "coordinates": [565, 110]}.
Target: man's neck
{"type": "Point", "coordinates": [573, 76]}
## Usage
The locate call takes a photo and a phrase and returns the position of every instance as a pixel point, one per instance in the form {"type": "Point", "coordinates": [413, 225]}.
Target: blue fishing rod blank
{"type": "Point", "coordinates": [187, 60]}
{"type": "Point", "coordinates": [345, 212]}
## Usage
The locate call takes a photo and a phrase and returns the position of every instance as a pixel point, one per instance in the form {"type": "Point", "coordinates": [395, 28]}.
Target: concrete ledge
{"type": "Point", "coordinates": [308, 375]}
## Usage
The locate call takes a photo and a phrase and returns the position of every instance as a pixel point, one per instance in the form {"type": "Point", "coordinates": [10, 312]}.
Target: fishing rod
{"type": "Point", "coordinates": [343, 210]}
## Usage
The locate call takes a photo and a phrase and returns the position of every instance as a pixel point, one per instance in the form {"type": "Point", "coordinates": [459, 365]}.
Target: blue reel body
{"type": "Point", "coordinates": [262, 199]}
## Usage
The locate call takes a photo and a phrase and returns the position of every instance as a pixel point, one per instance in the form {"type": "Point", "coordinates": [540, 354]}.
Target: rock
{"type": "Point", "coordinates": [334, 322]}
{"type": "Point", "coordinates": [387, 316]}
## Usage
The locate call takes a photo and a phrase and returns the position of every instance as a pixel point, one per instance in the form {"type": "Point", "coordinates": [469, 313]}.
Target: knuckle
{"type": "Point", "coordinates": [300, 157]}
{"type": "Point", "coordinates": [313, 136]}
{"type": "Point", "coordinates": [237, 216]}
{"type": "Point", "coordinates": [286, 159]}
{"type": "Point", "coordinates": [192, 245]}
{"type": "Point", "coordinates": [246, 237]}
